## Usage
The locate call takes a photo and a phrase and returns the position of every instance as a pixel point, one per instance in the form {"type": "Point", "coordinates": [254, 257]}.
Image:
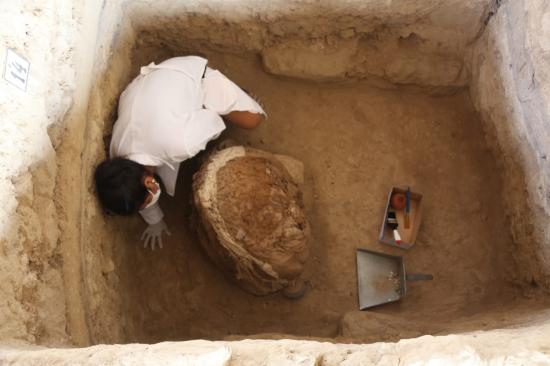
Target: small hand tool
{"type": "Point", "coordinates": [407, 207]}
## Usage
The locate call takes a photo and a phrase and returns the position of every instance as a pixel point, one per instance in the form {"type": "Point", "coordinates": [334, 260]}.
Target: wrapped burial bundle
{"type": "Point", "coordinates": [251, 218]}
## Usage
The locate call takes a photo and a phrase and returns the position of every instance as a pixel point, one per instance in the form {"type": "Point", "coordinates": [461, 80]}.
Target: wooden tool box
{"type": "Point", "coordinates": [408, 235]}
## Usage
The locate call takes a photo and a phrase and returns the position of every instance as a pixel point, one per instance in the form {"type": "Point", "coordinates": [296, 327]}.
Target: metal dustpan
{"type": "Point", "coordinates": [382, 278]}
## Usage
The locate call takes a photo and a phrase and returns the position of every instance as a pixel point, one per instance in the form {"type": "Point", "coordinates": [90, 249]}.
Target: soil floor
{"type": "Point", "coordinates": [356, 142]}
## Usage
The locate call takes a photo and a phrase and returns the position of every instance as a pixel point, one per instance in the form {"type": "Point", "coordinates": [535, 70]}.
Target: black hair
{"type": "Point", "coordinates": [119, 185]}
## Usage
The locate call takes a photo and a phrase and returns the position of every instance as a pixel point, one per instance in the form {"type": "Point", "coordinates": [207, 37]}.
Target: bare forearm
{"type": "Point", "coordinates": [244, 119]}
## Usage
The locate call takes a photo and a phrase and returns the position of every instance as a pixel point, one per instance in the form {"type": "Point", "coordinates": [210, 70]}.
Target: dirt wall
{"type": "Point", "coordinates": [523, 346]}
{"type": "Point", "coordinates": [510, 88]}
{"type": "Point", "coordinates": [41, 142]}
{"type": "Point", "coordinates": [32, 298]}
{"type": "Point", "coordinates": [406, 42]}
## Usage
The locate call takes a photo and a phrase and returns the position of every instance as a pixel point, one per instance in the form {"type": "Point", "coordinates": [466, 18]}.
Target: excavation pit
{"type": "Point", "coordinates": [356, 142]}
{"type": "Point", "coordinates": [357, 136]}
{"type": "Point", "coordinates": [368, 96]}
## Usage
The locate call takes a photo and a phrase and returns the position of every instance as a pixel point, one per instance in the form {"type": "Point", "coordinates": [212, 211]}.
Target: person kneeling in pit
{"type": "Point", "coordinates": [166, 115]}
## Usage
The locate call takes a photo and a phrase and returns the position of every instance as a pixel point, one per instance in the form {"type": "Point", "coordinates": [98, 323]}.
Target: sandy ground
{"type": "Point", "coordinates": [356, 143]}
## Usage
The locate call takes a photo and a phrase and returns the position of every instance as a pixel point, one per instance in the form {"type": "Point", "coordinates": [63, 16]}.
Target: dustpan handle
{"type": "Point", "coordinates": [419, 277]}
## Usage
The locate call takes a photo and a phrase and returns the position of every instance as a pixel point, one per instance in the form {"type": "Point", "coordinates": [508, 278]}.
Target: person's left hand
{"type": "Point", "coordinates": [153, 234]}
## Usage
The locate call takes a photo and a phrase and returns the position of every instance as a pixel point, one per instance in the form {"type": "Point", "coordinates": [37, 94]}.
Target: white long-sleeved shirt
{"type": "Point", "coordinates": [161, 120]}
